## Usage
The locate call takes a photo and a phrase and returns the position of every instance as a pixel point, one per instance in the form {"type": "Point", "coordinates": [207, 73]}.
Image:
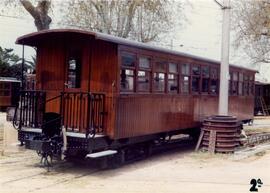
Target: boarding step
{"type": "Point", "coordinates": [101, 154]}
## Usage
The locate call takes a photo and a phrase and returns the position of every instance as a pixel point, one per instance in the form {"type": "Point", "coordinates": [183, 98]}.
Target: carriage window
{"type": "Point", "coordinates": [246, 85]}
{"type": "Point", "coordinates": [127, 80]}
{"type": "Point", "coordinates": [143, 75]}
{"type": "Point", "coordinates": [172, 83]}
{"type": "Point", "coordinates": [143, 78]}
{"type": "Point", "coordinates": [173, 68]}
{"type": "Point", "coordinates": [127, 72]}
{"type": "Point", "coordinates": [74, 72]}
{"type": "Point", "coordinates": [195, 83]}
{"type": "Point", "coordinates": [128, 60]}
{"type": "Point", "coordinates": [159, 76]}
{"type": "Point", "coordinates": [234, 83]}
{"type": "Point", "coordinates": [214, 81]}
{"type": "Point", "coordinates": [196, 70]}
{"type": "Point", "coordinates": [240, 84]}
{"type": "Point", "coordinates": [160, 66]}
{"type": "Point", "coordinates": [205, 79]}
{"type": "Point", "coordinates": [185, 69]}
{"type": "Point", "coordinates": [185, 80]}
{"type": "Point", "coordinates": [173, 78]}
{"type": "Point", "coordinates": [251, 85]}
{"type": "Point", "coordinates": [185, 84]}
{"type": "Point", "coordinates": [159, 82]}
{"type": "Point", "coordinates": [144, 62]}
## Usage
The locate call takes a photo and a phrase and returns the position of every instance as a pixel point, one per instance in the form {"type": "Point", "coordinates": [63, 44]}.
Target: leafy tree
{"type": "Point", "coordinates": [143, 20]}
{"type": "Point", "coordinates": [251, 22]}
{"type": "Point", "coordinates": [38, 12]}
{"type": "Point", "coordinates": [10, 64]}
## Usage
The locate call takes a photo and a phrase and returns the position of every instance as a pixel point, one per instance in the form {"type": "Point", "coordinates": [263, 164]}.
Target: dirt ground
{"type": "Point", "coordinates": [180, 170]}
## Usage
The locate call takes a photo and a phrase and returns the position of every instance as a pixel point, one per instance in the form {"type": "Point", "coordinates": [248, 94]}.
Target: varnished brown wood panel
{"type": "Point", "coordinates": [103, 78]}
{"type": "Point", "coordinates": [149, 114]}
{"type": "Point", "coordinates": [52, 67]}
{"type": "Point", "coordinates": [5, 101]}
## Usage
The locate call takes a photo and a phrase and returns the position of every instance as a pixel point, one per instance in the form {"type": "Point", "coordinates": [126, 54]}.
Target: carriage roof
{"type": "Point", "coordinates": [33, 39]}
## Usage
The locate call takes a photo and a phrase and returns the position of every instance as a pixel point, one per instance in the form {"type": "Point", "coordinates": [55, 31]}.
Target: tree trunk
{"type": "Point", "coordinates": [39, 13]}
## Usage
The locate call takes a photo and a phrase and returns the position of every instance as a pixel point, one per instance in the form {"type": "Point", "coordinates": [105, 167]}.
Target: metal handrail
{"type": "Point", "coordinates": [81, 110]}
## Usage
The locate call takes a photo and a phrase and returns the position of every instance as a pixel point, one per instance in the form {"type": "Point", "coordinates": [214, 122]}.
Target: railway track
{"type": "Point", "coordinates": [257, 138]}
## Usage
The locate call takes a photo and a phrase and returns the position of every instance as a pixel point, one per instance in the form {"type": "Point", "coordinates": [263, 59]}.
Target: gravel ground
{"type": "Point", "coordinates": [180, 170]}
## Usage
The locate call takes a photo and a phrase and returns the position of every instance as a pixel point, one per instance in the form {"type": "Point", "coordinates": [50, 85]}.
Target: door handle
{"type": "Point", "coordinates": [66, 85]}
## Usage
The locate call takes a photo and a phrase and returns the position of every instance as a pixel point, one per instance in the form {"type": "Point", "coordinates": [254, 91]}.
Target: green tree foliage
{"type": "Point", "coordinates": [10, 64]}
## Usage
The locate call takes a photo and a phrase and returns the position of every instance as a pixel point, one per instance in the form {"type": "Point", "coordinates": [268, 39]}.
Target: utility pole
{"type": "Point", "coordinates": [224, 67]}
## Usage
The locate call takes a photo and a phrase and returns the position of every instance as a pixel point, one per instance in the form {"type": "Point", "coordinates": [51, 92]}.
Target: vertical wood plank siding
{"type": "Point", "coordinates": [148, 114]}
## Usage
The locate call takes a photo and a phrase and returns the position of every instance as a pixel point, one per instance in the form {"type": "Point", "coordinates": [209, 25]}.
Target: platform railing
{"type": "Point", "coordinates": [83, 112]}
{"type": "Point", "coordinates": [79, 111]}
{"type": "Point", "coordinates": [31, 109]}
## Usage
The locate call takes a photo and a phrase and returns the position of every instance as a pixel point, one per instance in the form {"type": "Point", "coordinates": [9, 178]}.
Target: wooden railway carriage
{"type": "Point", "coordinates": [109, 93]}
{"type": "Point", "coordinates": [9, 92]}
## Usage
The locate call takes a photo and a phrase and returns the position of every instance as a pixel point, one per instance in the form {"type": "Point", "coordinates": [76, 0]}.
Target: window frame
{"type": "Point", "coordinates": [214, 78]}
{"type": "Point", "coordinates": [165, 72]}
{"type": "Point", "coordinates": [246, 84]}
{"type": "Point", "coordinates": [205, 77]}
{"type": "Point", "coordinates": [175, 74]}
{"type": "Point", "coordinates": [196, 76]}
{"type": "Point", "coordinates": [182, 76]}
{"type": "Point", "coordinates": [132, 68]}
{"type": "Point", "coordinates": [233, 82]}
{"type": "Point", "coordinates": [149, 70]}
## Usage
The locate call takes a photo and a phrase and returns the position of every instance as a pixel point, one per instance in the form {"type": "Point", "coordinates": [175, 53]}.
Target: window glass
{"type": "Point", "coordinates": [251, 89]}
{"type": "Point", "coordinates": [205, 84]}
{"type": "Point", "coordinates": [195, 84]}
{"type": "Point", "coordinates": [143, 78]}
{"type": "Point", "coordinates": [214, 86]}
{"type": "Point", "coordinates": [144, 62]}
{"type": "Point", "coordinates": [240, 87]}
{"type": "Point", "coordinates": [246, 77]}
{"type": "Point", "coordinates": [158, 83]}
{"type": "Point", "coordinates": [172, 83]}
{"type": "Point", "coordinates": [246, 87]}
{"type": "Point", "coordinates": [160, 66]}
{"type": "Point", "coordinates": [127, 80]}
{"type": "Point", "coordinates": [241, 76]}
{"type": "Point", "coordinates": [185, 69]}
{"type": "Point", "coordinates": [196, 70]}
{"type": "Point", "coordinates": [251, 78]}
{"type": "Point", "coordinates": [185, 84]}
{"type": "Point", "coordinates": [173, 68]}
{"type": "Point", "coordinates": [74, 72]}
{"type": "Point", "coordinates": [128, 60]}
{"type": "Point", "coordinates": [235, 76]}
{"type": "Point", "coordinates": [205, 71]}
{"type": "Point", "coordinates": [234, 87]}
{"type": "Point", "coordinates": [214, 73]}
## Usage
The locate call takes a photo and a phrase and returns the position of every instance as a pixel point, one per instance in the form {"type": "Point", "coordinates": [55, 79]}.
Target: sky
{"type": "Point", "coordinates": [200, 36]}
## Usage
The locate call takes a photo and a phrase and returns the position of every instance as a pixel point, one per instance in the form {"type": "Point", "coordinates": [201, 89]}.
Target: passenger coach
{"type": "Point", "coordinates": [108, 93]}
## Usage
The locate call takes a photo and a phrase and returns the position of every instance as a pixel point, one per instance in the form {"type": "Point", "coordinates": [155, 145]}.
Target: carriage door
{"type": "Point", "coordinates": [74, 97]}
{"type": "Point", "coordinates": [73, 71]}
